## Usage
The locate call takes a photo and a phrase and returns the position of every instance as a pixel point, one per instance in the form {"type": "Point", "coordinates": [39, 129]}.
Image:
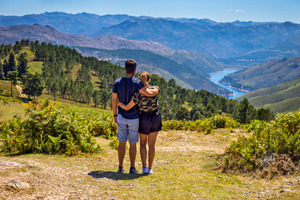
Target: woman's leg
{"type": "Point", "coordinates": [151, 142]}
{"type": "Point", "coordinates": [143, 149]}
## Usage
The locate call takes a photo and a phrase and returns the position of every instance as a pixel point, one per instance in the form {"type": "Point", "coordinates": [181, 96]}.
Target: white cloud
{"type": "Point", "coordinates": [239, 11]}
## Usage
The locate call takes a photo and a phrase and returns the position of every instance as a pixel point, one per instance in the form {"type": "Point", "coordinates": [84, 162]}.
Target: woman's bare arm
{"type": "Point", "coordinates": [128, 106]}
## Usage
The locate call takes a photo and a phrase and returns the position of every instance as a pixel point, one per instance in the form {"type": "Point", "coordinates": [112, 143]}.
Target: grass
{"type": "Point", "coordinates": [184, 168]}
{"type": "Point", "coordinates": [8, 111]}
{"type": "Point", "coordinates": [5, 86]}
{"type": "Point", "coordinates": [35, 67]}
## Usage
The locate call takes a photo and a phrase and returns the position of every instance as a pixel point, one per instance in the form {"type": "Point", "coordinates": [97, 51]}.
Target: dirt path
{"type": "Point", "coordinates": [21, 91]}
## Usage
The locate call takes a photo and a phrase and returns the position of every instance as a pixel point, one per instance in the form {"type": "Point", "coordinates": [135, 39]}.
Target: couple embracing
{"type": "Point", "coordinates": [135, 108]}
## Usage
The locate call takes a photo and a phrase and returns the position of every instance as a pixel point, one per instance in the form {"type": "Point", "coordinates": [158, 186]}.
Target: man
{"type": "Point", "coordinates": [128, 121]}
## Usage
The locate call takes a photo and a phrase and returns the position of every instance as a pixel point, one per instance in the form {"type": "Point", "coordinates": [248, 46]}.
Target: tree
{"type": "Point", "coordinates": [17, 47]}
{"type": "Point", "coordinates": [33, 85]}
{"type": "Point", "coordinates": [1, 71]}
{"type": "Point", "coordinates": [22, 64]}
{"type": "Point", "coordinates": [245, 112]}
{"type": "Point", "coordinates": [12, 66]}
{"type": "Point", "coordinates": [12, 75]}
{"type": "Point", "coordinates": [105, 97]}
{"type": "Point", "coordinates": [5, 68]}
{"type": "Point", "coordinates": [182, 114]}
{"type": "Point", "coordinates": [96, 97]}
{"type": "Point", "coordinates": [197, 116]}
{"type": "Point", "coordinates": [54, 87]}
{"type": "Point", "coordinates": [265, 114]}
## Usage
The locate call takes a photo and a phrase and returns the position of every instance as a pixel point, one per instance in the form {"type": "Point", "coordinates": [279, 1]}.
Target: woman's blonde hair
{"type": "Point", "coordinates": [145, 78]}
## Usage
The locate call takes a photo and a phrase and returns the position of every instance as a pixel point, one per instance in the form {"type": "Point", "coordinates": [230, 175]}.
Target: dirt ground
{"type": "Point", "coordinates": [184, 168]}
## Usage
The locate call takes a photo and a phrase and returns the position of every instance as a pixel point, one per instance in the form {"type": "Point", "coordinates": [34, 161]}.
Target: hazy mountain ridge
{"type": "Point", "coordinates": [205, 36]}
{"type": "Point", "coordinates": [265, 75]}
{"type": "Point", "coordinates": [218, 41]}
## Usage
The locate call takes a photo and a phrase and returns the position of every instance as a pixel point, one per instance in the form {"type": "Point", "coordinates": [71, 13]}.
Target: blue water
{"type": "Point", "coordinates": [217, 76]}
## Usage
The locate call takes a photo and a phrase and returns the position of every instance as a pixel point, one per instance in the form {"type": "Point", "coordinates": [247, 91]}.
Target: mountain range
{"type": "Point", "coordinates": [191, 68]}
{"type": "Point", "coordinates": [230, 43]}
{"type": "Point", "coordinates": [185, 49]}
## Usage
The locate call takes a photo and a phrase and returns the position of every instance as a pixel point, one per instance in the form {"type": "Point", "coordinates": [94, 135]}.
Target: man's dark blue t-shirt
{"type": "Point", "coordinates": [125, 88]}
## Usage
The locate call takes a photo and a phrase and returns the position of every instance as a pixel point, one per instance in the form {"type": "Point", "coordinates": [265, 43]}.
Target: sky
{"type": "Point", "coordinates": [217, 10]}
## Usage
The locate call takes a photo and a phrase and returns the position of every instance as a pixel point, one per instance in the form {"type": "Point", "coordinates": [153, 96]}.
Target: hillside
{"type": "Point", "coordinates": [265, 75]}
{"type": "Point", "coordinates": [189, 74]}
{"type": "Point", "coordinates": [280, 98]}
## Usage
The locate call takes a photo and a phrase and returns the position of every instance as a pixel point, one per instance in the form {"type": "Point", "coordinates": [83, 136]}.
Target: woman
{"type": "Point", "coordinates": [150, 122]}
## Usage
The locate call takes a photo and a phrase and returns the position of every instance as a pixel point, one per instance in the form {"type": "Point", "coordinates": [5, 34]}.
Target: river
{"type": "Point", "coordinates": [217, 76]}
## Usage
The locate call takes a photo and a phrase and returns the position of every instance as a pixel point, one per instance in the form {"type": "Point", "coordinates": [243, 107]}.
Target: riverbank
{"type": "Point", "coordinates": [217, 76]}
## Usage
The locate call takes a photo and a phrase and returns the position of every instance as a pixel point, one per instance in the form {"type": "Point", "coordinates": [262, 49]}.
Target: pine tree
{"type": "Point", "coordinates": [105, 97]}
{"type": "Point", "coordinates": [33, 85]}
{"type": "Point", "coordinates": [5, 68]}
{"type": "Point", "coordinates": [22, 65]}
{"type": "Point", "coordinates": [12, 66]}
{"type": "Point", "coordinates": [1, 71]}
{"type": "Point", "coordinates": [96, 97]}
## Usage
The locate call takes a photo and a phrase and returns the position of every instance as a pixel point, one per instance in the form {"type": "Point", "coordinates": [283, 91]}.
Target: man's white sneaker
{"type": "Point", "coordinates": [150, 171]}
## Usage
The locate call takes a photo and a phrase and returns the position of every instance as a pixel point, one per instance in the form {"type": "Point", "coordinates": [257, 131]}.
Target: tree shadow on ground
{"type": "Point", "coordinates": [115, 175]}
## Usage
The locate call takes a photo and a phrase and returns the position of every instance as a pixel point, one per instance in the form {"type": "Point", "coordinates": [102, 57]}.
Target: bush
{"type": "Point", "coordinates": [48, 130]}
{"type": "Point", "coordinates": [214, 122]}
{"type": "Point", "coordinates": [269, 143]}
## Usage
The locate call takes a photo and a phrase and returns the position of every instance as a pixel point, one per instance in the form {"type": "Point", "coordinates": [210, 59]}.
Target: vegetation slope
{"type": "Point", "coordinates": [284, 97]}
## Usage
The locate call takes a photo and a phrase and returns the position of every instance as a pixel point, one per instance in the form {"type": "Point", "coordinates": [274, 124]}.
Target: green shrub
{"type": "Point", "coordinates": [267, 142]}
{"type": "Point", "coordinates": [48, 130]}
{"type": "Point", "coordinates": [214, 122]}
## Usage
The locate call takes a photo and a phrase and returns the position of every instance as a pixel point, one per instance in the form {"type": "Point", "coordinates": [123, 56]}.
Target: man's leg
{"type": "Point", "coordinates": [122, 137]}
{"type": "Point", "coordinates": [132, 154]}
{"type": "Point", "coordinates": [133, 126]}
{"type": "Point", "coordinates": [121, 152]}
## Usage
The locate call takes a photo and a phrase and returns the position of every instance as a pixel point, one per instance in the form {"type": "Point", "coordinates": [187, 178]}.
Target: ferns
{"type": "Point", "coordinates": [214, 122]}
{"type": "Point", "coordinates": [279, 137]}
{"type": "Point", "coordinates": [50, 130]}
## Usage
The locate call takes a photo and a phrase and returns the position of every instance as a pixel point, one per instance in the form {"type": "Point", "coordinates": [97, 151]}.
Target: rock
{"type": "Point", "coordinates": [18, 184]}
{"type": "Point", "coordinates": [286, 190]}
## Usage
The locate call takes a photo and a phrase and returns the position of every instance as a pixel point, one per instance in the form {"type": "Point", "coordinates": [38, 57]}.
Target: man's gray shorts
{"type": "Point", "coordinates": [128, 128]}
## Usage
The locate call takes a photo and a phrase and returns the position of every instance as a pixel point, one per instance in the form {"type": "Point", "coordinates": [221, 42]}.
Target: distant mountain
{"type": "Point", "coordinates": [265, 75]}
{"type": "Point", "coordinates": [76, 24]}
{"type": "Point", "coordinates": [287, 48]}
{"type": "Point", "coordinates": [280, 98]}
{"type": "Point", "coordinates": [194, 66]}
{"type": "Point", "coordinates": [219, 41]}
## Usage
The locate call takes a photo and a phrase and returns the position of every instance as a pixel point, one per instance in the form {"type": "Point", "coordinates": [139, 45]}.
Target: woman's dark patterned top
{"type": "Point", "coordinates": [145, 104]}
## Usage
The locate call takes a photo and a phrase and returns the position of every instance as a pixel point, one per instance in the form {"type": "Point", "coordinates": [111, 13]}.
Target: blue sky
{"type": "Point", "coordinates": [217, 10]}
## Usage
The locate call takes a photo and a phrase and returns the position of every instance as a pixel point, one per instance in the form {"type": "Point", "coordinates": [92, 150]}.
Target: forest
{"type": "Point", "coordinates": [69, 75]}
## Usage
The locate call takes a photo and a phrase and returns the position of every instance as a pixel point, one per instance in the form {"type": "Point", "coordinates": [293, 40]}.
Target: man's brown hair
{"type": "Point", "coordinates": [130, 66]}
